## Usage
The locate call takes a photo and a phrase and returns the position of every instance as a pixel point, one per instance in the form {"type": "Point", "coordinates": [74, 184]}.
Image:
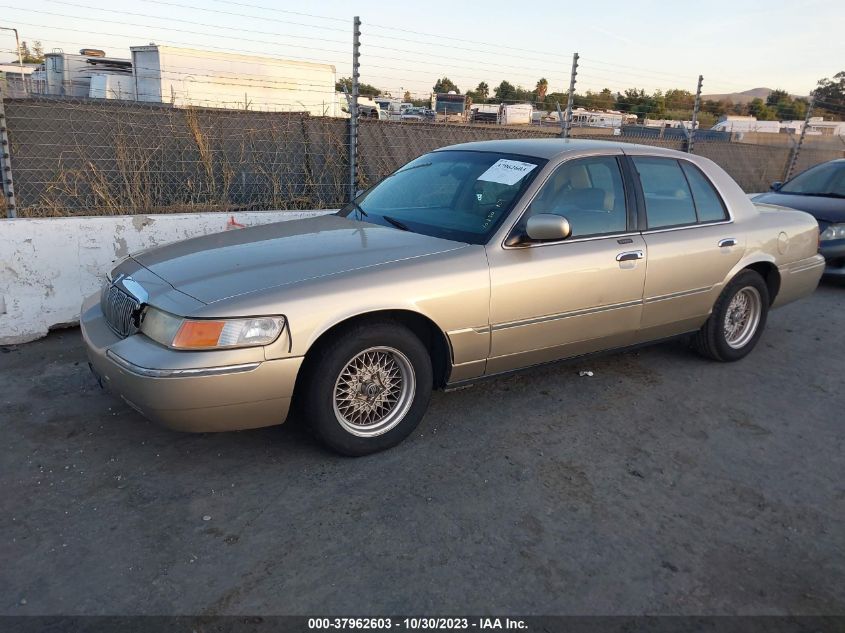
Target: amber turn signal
{"type": "Point", "coordinates": [198, 334]}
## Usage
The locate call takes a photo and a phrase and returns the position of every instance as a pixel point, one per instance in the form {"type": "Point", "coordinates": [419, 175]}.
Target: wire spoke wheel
{"type": "Point", "coordinates": [742, 317]}
{"type": "Point", "coordinates": [374, 390]}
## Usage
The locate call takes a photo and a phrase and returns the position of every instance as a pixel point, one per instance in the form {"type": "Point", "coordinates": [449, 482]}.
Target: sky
{"type": "Point", "coordinates": [408, 45]}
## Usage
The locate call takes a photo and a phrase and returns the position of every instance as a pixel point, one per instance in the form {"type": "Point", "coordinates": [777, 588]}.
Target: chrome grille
{"type": "Point", "coordinates": [121, 311]}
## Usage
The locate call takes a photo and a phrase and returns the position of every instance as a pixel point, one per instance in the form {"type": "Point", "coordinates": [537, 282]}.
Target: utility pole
{"type": "Point", "coordinates": [8, 187]}
{"type": "Point", "coordinates": [571, 101]}
{"type": "Point", "coordinates": [353, 110]}
{"type": "Point", "coordinates": [797, 149]}
{"type": "Point", "coordinates": [695, 108]}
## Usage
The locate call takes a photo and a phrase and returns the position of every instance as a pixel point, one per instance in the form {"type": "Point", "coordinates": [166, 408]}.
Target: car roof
{"type": "Point", "coordinates": [550, 147]}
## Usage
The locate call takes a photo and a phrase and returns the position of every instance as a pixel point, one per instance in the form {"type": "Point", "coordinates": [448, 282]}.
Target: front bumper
{"type": "Point", "coordinates": [834, 255]}
{"type": "Point", "coordinates": [189, 391]}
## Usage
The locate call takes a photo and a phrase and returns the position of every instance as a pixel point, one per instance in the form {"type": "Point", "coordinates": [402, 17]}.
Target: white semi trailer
{"type": "Point", "coordinates": [186, 77]}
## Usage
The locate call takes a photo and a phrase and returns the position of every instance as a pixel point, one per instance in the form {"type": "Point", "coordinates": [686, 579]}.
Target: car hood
{"type": "Point", "coordinates": [829, 209]}
{"type": "Point", "coordinates": [223, 265]}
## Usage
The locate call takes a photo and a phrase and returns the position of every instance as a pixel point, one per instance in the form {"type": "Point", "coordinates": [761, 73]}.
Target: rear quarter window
{"type": "Point", "coordinates": [708, 203]}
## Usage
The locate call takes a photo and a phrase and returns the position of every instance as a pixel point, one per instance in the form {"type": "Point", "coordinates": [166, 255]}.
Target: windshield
{"type": "Point", "coordinates": [456, 195]}
{"type": "Point", "coordinates": [824, 179]}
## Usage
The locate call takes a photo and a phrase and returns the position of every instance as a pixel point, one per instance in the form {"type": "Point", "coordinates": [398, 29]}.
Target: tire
{"type": "Point", "coordinates": [737, 320]}
{"type": "Point", "coordinates": [367, 388]}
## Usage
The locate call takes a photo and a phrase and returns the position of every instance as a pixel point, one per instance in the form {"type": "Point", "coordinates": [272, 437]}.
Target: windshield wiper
{"type": "Point", "coordinates": [358, 208]}
{"type": "Point", "coordinates": [413, 167]}
{"type": "Point", "coordinates": [396, 223]}
{"type": "Point", "coordinates": [815, 194]}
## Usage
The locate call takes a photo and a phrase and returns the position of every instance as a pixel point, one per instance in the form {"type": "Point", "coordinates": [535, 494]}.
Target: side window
{"type": "Point", "coordinates": [668, 200]}
{"type": "Point", "coordinates": [588, 192]}
{"type": "Point", "coordinates": [708, 204]}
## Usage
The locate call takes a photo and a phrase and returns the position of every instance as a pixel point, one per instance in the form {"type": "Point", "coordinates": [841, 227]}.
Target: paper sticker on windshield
{"type": "Point", "coordinates": [507, 172]}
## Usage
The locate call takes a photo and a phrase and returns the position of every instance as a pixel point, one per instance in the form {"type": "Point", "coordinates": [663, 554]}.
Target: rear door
{"type": "Point", "coordinates": [691, 240]}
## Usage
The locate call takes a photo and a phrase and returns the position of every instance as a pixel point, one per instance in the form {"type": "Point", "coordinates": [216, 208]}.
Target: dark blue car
{"type": "Point", "coordinates": [820, 191]}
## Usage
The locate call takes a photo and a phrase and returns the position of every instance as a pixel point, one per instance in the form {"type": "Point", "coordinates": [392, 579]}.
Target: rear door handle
{"type": "Point", "coordinates": [728, 241]}
{"type": "Point", "coordinates": [629, 256]}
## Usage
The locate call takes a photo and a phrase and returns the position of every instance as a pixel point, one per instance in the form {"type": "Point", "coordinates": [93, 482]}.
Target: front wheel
{"type": "Point", "coordinates": [737, 320]}
{"type": "Point", "coordinates": [367, 388]}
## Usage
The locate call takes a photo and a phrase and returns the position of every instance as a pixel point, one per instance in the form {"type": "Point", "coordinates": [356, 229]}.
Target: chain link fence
{"type": "Point", "coordinates": [96, 156]}
{"type": "Point", "coordinates": [110, 157]}
{"type": "Point", "coordinates": [93, 157]}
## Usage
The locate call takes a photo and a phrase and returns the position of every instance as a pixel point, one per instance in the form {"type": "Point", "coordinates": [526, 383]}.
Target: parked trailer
{"type": "Point", "coordinates": [484, 112]}
{"type": "Point", "coordinates": [186, 77]}
{"type": "Point", "coordinates": [516, 114]}
{"type": "Point", "coordinates": [601, 118]}
{"type": "Point", "coordinates": [68, 75]}
{"type": "Point", "coordinates": [731, 123]}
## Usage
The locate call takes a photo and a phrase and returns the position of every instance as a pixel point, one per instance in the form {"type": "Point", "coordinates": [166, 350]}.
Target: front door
{"type": "Point", "coordinates": [552, 300]}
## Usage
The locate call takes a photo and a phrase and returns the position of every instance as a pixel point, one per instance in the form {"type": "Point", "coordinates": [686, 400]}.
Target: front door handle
{"type": "Point", "coordinates": [629, 256]}
{"type": "Point", "coordinates": [728, 241]}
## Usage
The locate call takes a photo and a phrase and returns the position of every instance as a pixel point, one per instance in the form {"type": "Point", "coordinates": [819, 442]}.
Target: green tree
{"type": "Point", "coordinates": [830, 96]}
{"type": "Point", "coordinates": [776, 96]}
{"type": "Point", "coordinates": [505, 91]}
{"type": "Point", "coordinates": [365, 90]}
{"type": "Point", "coordinates": [759, 109]}
{"type": "Point", "coordinates": [716, 108]}
{"type": "Point", "coordinates": [444, 84]}
{"type": "Point", "coordinates": [407, 96]}
{"type": "Point", "coordinates": [33, 56]}
{"type": "Point", "coordinates": [482, 90]}
{"type": "Point", "coordinates": [679, 100]}
{"type": "Point", "coordinates": [552, 100]}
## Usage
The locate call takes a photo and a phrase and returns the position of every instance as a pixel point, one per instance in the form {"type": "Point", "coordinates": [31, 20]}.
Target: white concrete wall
{"type": "Point", "coordinates": [49, 265]}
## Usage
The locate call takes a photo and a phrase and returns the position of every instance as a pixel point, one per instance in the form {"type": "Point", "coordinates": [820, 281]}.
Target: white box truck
{"type": "Point", "coordinates": [186, 77]}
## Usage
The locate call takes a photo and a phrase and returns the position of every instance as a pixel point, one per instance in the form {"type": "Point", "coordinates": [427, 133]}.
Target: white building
{"type": "Point", "coordinates": [816, 126]}
{"type": "Point", "coordinates": [16, 81]}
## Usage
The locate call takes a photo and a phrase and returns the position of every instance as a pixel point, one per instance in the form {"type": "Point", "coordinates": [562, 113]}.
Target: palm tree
{"type": "Point", "coordinates": [541, 88]}
{"type": "Point", "coordinates": [483, 90]}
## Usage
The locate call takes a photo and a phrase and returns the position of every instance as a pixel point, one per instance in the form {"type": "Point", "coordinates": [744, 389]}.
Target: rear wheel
{"type": "Point", "coordinates": [737, 320]}
{"type": "Point", "coordinates": [367, 388]}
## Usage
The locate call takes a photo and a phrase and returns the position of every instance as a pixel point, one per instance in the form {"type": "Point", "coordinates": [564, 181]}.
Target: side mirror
{"type": "Point", "coordinates": [547, 226]}
{"type": "Point", "coordinates": [776, 185]}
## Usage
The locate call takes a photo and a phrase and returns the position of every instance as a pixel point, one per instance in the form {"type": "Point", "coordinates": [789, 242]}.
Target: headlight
{"type": "Point", "coordinates": [833, 232]}
{"type": "Point", "coordinates": [179, 333]}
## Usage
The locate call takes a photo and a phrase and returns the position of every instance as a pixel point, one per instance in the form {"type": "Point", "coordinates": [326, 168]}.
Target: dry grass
{"type": "Point", "coordinates": [192, 160]}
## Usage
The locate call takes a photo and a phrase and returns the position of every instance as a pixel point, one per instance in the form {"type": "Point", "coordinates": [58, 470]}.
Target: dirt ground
{"type": "Point", "coordinates": [662, 484]}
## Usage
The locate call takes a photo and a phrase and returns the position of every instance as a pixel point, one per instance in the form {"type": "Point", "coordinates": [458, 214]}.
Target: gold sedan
{"type": "Point", "coordinates": [469, 262]}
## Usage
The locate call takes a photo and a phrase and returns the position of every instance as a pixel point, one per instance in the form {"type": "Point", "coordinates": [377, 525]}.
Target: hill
{"type": "Point", "coordinates": [746, 96]}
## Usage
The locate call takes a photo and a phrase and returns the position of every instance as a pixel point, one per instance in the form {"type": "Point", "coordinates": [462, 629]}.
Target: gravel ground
{"type": "Point", "coordinates": [662, 484]}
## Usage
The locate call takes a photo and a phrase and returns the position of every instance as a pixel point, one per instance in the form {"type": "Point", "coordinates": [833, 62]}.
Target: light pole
{"type": "Point", "coordinates": [20, 57]}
